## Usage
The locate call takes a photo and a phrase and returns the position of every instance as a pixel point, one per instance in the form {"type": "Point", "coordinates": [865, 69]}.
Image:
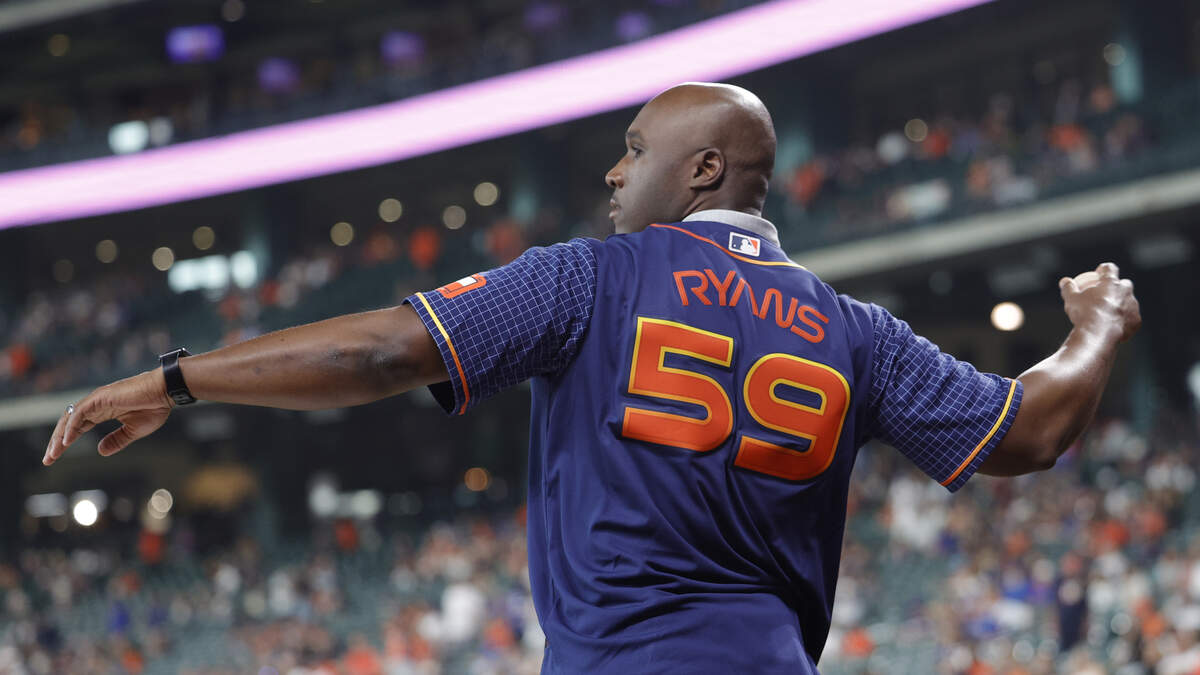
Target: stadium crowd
{"type": "Point", "coordinates": [1019, 149]}
{"type": "Point", "coordinates": [1090, 568]}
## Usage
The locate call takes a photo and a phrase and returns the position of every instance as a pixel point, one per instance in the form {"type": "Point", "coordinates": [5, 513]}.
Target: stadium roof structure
{"type": "Point", "coordinates": [765, 35]}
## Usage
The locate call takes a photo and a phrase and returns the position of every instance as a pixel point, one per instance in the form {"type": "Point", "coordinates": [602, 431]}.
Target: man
{"type": "Point", "coordinates": [698, 400]}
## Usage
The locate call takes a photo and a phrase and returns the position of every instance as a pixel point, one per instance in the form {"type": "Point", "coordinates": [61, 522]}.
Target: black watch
{"type": "Point", "coordinates": [176, 387]}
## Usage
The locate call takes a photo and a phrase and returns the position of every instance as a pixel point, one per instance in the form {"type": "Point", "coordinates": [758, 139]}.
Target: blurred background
{"type": "Point", "coordinates": [186, 173]}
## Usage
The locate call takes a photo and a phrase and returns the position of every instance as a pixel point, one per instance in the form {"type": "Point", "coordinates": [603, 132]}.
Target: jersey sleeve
{"type": "Point", "coordinates": [940, 412]}
{"type": "Point", "coordinates": [500, 327]}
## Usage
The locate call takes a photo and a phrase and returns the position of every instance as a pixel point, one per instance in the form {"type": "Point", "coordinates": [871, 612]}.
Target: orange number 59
{"type": "Point", "coordinates": [820, 425]}
{"type": "Point", "coordinates": [649, 377]}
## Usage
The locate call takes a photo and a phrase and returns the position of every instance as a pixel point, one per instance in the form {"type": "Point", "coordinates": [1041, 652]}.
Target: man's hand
{"type": "Point", "coordinates": [1108, 305]}
{"type": "Point", "coordinates": [140, 403]}
{"type": "Point", "coordinates": [1062, 392]}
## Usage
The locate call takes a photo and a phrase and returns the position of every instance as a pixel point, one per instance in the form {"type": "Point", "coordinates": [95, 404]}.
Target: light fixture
{"type": "Point", "coordinates": [162, 258]}
{"type": "Point", "coordinates": [106, 251]}
{"type": "Point", "coordinates": [486, 193]}
{"type": "Point", "coordinates": [390, 210]}
{"type": "Point", "coordinates": [1008, 316]}
{"type": "Point", "coordinates": [341, 234]}
{"type": "Point", "coordinates": [454, 217]}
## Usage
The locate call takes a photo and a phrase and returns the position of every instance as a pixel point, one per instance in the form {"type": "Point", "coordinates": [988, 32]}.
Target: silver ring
{"type": "Point", "coordinates": [70, 409]}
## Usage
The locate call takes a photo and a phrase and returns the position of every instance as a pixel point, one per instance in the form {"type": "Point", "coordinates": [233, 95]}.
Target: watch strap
{"type": "Point", "coordinates": [177, 389]}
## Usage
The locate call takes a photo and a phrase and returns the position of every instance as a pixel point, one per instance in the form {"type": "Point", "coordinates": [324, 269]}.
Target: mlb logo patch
{"type": "Point", "coordinates": [457, 288]}
{"type": "Point", "coordinates": [740, 243]}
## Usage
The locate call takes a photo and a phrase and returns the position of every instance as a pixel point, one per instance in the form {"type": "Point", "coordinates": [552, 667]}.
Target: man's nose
{"type": "Point", "coordinates": [614, 178]}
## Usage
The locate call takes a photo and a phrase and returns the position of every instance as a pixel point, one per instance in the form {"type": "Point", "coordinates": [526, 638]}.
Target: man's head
{"type": "Point", "coordinates": [695, 146]}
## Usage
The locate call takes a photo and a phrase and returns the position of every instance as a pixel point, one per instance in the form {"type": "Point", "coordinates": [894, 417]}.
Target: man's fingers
{"type": "Point", "coordinates": [117, 440]}
{"type": "Point", "coordinates": [1067, 285]}
{"type": "Point", "coordinates": [54, 449]}
{"type": "Point", "coordinates": [1109, 270]}
{"type": "Point", "coordinates": [88, 413]}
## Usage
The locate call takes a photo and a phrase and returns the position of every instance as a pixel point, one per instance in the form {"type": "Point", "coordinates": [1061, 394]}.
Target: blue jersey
{"type": "Point", "coordinates": [698, 402]}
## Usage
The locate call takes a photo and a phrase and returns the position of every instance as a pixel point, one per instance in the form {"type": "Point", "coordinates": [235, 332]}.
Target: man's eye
{"type": "Point", "coordinates": [637, 152]}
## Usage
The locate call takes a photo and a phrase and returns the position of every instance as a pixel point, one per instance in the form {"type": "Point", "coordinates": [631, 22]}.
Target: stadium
{"type": "Point", "coordinates": [200, 173]}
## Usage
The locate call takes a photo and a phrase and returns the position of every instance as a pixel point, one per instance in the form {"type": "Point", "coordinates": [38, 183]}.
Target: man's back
{"type": "Point", "coordinates": [696, 413]}
{"type": "Point", "coordinates": [693, 460]}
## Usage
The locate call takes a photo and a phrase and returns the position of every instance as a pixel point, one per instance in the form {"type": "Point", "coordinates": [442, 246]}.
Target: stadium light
{"type": "Point", "coordinates": [390, 210]}
{"type": "Point", "coordinates": [203, 237]}
{"type": "Point", "coordinates": [47, 505]}
{"type": "Point", "coordinates": [454, 217]}
{"type": "Point", "coordinates": [341, 234]}
{"type": "Point", "coordinates": [85, 512]}
{"type": "Point", "coordinates": [486, 193]}
{"type": "Point", "coordinates": [161, 502]}
{"type": "Point", "coordinates": [162, 258]}
{"type": "Point", "coordinates": [764, 35]}
{"type": "Point", "coordinates": [106, 251]}
{"type": "Point", "coordinates": [1008, 316]}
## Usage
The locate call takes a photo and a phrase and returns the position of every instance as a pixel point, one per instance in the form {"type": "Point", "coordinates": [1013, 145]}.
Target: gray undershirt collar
{"type": "Point", "coordinates": [760, 226]}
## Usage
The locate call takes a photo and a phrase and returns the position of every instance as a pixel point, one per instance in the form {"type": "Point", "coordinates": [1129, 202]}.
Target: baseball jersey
{"type": "Point", "coordinates": [698, 401]}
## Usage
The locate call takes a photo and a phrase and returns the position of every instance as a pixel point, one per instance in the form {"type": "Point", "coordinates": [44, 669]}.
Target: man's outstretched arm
{"type": "Point", "coordinates": [1062, 392]}
{"type": "Point", "coordinates": [343, 361]}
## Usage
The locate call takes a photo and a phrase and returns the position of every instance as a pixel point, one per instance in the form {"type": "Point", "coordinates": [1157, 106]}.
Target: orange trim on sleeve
{"type": "Point", "coordinates": [1012, 389]}
{"type": "Point", "coordinates": [457, 364]}
{"type": "Point", "coordinates": [782, 263]}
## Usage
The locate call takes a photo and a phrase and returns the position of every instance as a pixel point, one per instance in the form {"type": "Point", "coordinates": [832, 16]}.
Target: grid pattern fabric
{"type": "Point", "coordinates": [526, 319]}
{"type": "Point", "coordinates": [936, 410]}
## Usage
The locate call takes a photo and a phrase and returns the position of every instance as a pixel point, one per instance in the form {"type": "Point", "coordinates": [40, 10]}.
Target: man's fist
{"type": "Point", "coordinates": [1102, 300]}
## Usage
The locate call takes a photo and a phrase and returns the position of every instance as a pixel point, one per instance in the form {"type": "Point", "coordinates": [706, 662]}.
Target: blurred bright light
{"type": "Point", "coordinates": [97, 497]}
{"type": "Point", "coordinates": [390, 210]}
{"type": "Point", "coordinates": [323, 496]}
{"type": "Point", "coordinates": [162, 258]}
{"type": "Point", "coordinates": [341, 234]}
{"type": "Point", "coordinates": [161, 131]}
{"type": "Point", "coordinates": [477, 479]}
{"type": "Point", "coordinates": [1008, 316]}
{"type": "Point", "coordinates": [454, 217]}
{"type": "Point", "coordinates": [46, 505]}
{"type": "Point", "coordinates": [106, 250]}
{"type": "Point", "coordinates": [85, 512]}
{"type": "Point", "coordinates": [64, 270]}
{"type": "Point", "coordinates": [213, 272]}
{"type": "Point", "coordinates": [366, 503]}
{"type": "Point", "coordinates": [765, 34]}
{"type": "Point", "coordinates": [128, 137]}
{"type": "Point", "coordinates": [195, 44]}
{"type": "Point", "coordinates": [1114, 54]}
{"type": "Point", "coordinates": [203, 237]}
{"type": "Point", "coordinates": [916, 130]}
{"type": "Point", "coordinates": [210, 272]}
{"type": "Point", "coordinates": [486, 193]}
{"type": "Point", "coordinates": [161, 501]}
{"type": "Point", "coordinates": [243, 267]}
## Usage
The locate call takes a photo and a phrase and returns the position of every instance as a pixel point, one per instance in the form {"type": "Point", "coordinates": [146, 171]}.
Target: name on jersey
{"type": "Point", "coordinates": [705, 287]}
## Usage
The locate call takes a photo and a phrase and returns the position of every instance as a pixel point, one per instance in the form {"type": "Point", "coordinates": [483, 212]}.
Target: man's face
{"type": "Point", "coordinates": [649, 182]}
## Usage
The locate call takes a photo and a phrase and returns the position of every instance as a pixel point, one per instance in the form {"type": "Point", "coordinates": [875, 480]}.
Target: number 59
{"type": "Point", "coordinates": [821, 425]}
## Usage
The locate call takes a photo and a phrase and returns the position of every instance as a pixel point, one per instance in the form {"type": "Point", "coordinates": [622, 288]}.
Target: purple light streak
{"type": "Point", "coordinates": [764, 35]}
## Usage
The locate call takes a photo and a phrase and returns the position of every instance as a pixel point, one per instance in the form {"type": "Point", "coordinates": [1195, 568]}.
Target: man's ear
{"type": "Point", "coordinates": [708, 168]}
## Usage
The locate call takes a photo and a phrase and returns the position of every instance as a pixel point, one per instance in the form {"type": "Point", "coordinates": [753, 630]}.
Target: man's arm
{"type": "Point", "coordinates": [1062, 392]}
{"type": "Point", "coordinates": [344, 361]}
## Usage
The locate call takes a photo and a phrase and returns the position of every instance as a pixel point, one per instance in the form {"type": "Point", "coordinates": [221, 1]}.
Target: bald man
{"type": "Point", "coordinates": [698, 402]}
